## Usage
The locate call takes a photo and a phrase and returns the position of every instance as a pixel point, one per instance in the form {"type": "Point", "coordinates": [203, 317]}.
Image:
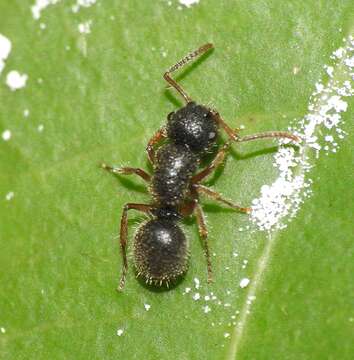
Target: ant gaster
{"type": "Point", "coordinates": [161, 249]}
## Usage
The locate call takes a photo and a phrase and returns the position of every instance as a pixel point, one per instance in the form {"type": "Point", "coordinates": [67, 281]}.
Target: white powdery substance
{"type": "Point", "coordinates": [244, 283]}
{"type": "Point", "coordinates": [206, 309]}
{"type": "Point", "coordinates": [283, 197]}
{"type": "Point", "coordinates": [6, 135]}
{"type": "Point", "coordinates": [15, 80]}
{"type": "Point", "coordinates": [85, 28]}
{"type": "Point", "coordinates": [320, 131]}
{"type": "Point", "coordinates": [40, 5]}
{"type": "Point", "coordinates": [188, 3]}
{"type": "Point", "coordinates": [5, 49]}
{"type": "Point", "coordinates": [187, 290]}
{"type": "Point", "coordinates": [82, 3]}
{"type": "Point", "coordinates": [196, 296]}
{"type": "Point", "coordinates": [9, 195]}
{"type": "Point", "coordinates": [196, 283]}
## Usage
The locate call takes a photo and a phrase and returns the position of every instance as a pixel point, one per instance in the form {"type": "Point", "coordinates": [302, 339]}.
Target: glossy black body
{"type": "Point", "coordinates": [160, 247]}
{"type": "Point", "coordinates": [193, 126]}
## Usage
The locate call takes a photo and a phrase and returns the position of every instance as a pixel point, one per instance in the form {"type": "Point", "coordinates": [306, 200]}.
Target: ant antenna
{"type": "Point", "coordinates": [203, 49]}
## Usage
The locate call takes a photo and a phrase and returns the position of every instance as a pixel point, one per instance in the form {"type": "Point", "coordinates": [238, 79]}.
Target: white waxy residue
{"type": "Point", "coordinates": [320, 130]}
{"type": "Point", "coordinates": [82, 3]}
{"type": "Point", "coordinates": [188, 3]}
{"type": "Point", "coordinates": [196, 296]}
{"type": "Point", "coordinates": [9, 195]}
{"type": "Point", "coordinates": [40, 5]}
{"type": "Point", "coordinates": [120, 332]}
{"type": "Point", "coordinates": [5, 49]}
{"type": "Point", "coordinates": [6, 135]}
{"type": "Point", "coordinates": [85, 28]}
{"type": "Point", "coordinates": [15, 80]}
{"type": "Point", "coordinates": [206, 309]}
{"type": "Point", "coordinates": [244, 283]}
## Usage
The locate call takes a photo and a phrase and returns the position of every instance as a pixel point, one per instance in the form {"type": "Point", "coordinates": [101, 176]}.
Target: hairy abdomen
{"type": "Point", "coordinates": [160, 251]}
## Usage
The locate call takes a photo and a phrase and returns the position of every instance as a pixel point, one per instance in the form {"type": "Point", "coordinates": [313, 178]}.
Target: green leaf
{"type": "Point", "coordinates": [100, 97]}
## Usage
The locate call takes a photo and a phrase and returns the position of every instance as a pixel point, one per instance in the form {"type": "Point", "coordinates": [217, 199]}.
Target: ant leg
{"type": "Point", "coordinates": [269, 134]}
{"type": "Point", "coordinates": [234, 136]}
{"type": "Point", "coordinates": [124, 236]}
{"type": "Point", "coordinates": [158, 136]}
{"type": "Point", "coordinates": [203, 232]}
{"type": "Point", "coordinates": [203, 190]}
{"type": "Point", "coordinates": [218, 160]}
{"type": "Point", "coordinates": [188, 207]}
{"type": "Point", "coordinates": [127, 171]}
{"type": "Point", "coordinates": [203, 49]}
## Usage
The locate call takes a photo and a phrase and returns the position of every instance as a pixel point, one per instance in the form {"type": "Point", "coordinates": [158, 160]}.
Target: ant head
{"type": "Point", "coordinates": [194, 126]}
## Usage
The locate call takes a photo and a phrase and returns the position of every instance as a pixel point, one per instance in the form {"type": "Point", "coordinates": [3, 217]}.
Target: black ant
{"type": "Point", "coordinates": [160, 246]}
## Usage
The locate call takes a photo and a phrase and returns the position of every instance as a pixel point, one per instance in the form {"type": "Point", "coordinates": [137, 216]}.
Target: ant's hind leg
{"type": "Point", "coordinates": [124, 236]}
{"type": "Point", "coordinates": [127, 171]}
{"type": "Point", "coordinates": [203, 190]}
{"type": "Point", "coordinates": [203, 232]}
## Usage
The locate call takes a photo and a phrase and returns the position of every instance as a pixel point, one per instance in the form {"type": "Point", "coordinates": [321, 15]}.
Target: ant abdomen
{"type": "Point", "coordinates": [194, 126]}
{"type": "Point", "coordinates": [160, 251]}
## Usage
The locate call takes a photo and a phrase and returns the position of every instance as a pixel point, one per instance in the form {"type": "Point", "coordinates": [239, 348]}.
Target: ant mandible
{"type": "Point", "coordinates": [161, 249]}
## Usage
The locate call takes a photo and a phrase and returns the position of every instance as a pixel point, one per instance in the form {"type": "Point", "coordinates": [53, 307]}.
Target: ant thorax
{"type": "Point", "coordinates": [173, 169]}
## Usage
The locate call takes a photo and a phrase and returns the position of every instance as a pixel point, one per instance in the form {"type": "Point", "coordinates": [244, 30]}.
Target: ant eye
{"type": "Point", "coordinates": [212, 135]}
{"type": "Point", "coordinates": [210, 114]}
{"type": "Point", "coordinates": [169, 116]}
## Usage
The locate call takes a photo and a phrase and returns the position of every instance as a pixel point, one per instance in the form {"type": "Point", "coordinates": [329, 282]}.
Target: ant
{"type": "Point", "coordinates": [161, 249]}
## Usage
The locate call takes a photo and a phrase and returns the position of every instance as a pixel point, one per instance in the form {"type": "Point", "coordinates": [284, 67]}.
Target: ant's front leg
{"type": "Point", "coordinates": [127, 171]}
{"type": "Point", "coordinates": [158, 136]}
{"type": "Point", "coordinates": [233, 134]}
